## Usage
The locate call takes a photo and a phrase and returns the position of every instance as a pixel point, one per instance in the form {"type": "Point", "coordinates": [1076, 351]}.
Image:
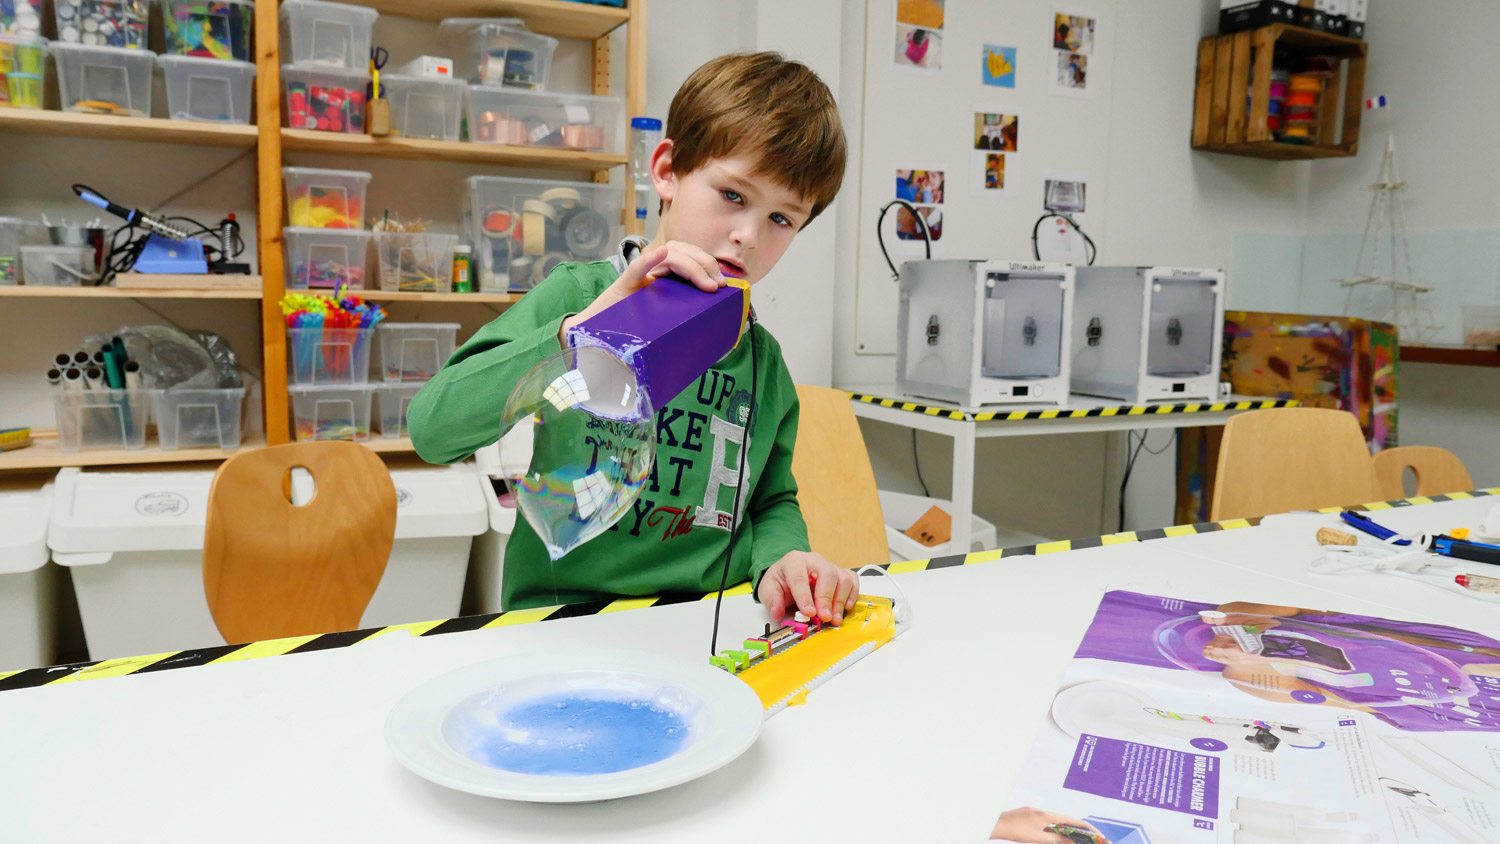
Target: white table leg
{"type": "Point", "coordinates": [963, 489]}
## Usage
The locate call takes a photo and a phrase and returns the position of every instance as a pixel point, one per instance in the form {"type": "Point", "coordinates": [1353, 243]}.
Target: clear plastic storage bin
{"type": "Point", "coordinates": [1481, 325]}
{"type": "Point", "coordinates": [58, 266]}
{"type": "Point", "coordinates": [15, 233]}
{"type": "Point", "coordinates": [415, 261]}
{"type": "Point", "coordinates": [103, 23]}
{"type": "Point", "coordinates": [424, 108]}
{"type": "Point", "coordinates": [523, 228]}
{"type": "Point", "coordinates": [325, 199]}
{"type": "Point", "coordinates": [334, 34]}
{"type": "Point", "coordinates": [21, 17]}
{"type": "Point", "coordinates": [23, 71]}
{"type": "Point", "coordinates": [415, 351]}
{"type": "Point", "coordinates": [198, 418]}
{"type": "Point", "coordinates": [393, 400]}
{"type": "Point", "coordinates": [325, 356]}
{"type": "Point", "coordinates": [104, 80]}
{"type": "Point", "coordinates": [208, 89]}
{"type": "Point", "coordinates": [497, 51]}
{"type": "Point", "coordinates": [327, 99]}
{"type": "Point", "coordinates": [325, 258]}
{"type": "Point", "coordinates": [97, 419]}
{"type": "Point", "coordinates": [332, 413]}
{"type": "Point", "coordinates": [545, 119]}
{"type": "Point", "coordinates": [210, 29]}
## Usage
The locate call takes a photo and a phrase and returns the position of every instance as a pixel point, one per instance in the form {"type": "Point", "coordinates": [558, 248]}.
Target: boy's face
{"type": "Point", "coordinates": [745, 221]}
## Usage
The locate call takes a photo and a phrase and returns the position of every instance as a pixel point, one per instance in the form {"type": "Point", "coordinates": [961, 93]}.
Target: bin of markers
{"type": "Point", "coordinates": [198, 418]}
{"type": "Point", "coordinates": [324, 355]}
{"type": "Point", "coordinates": [327, 99]}
{"type": "Point", "coordinates": [415, 261]}
{"type": "Point", "coordinates": [331, 34]}
{"type": "Point", "coordinates": [104, 80]}
{"type": "Point", "coordinates": [209, 29]}
{"type": "Point", "coordinates": [21, 17]}
{"type": "Point", "coordinates": [208, 90]}
{"type": "Point", "coordinates": [331, 412]}
{"type": "Point", "coordinates": [325, 258]}
{"type": "Point", "coordinates": [414, 351]}
{"type": "Point", "coordinates": [393, 399]}
{"type": "Point", "coordinates": [23, 70]}
{"type": "Point", "coordinates": [93, 419]}
{"type": "Point", "coordinates": [103, 23]}
{"type": "Point", "coordinates": [325, 199]}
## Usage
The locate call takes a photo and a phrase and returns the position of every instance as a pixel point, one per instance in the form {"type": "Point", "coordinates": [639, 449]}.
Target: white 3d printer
{"type": "Point", "coordinates": [1144, 334]}
{"type": "Point", "coordinates": [984, 332]}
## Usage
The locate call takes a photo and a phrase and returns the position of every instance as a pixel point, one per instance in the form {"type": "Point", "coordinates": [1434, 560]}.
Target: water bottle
{"type": "Point", "coordinates": [645, 134]}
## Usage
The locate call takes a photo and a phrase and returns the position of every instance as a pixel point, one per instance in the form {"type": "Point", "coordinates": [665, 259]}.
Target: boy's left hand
{"type": "Point", "coordinates": [809, 583]}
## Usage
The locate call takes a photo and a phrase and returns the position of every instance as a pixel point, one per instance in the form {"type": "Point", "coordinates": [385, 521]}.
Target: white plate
{"type": "Point", "coordinates": [434, 728]}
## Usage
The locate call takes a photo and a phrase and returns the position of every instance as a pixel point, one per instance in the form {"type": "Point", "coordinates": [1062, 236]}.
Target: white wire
{"type": "Point", "coordinates": [1413, 562]}
{"type": "Point", "coordinates": [903, 611]}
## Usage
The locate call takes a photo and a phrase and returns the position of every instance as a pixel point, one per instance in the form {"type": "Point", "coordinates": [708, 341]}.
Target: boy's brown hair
{"type": "Point", "coordinates": [778, 110]}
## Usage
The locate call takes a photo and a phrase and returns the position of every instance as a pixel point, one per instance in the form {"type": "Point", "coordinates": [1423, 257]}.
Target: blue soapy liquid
{"type": "Point", "coordinates": [567, 735]}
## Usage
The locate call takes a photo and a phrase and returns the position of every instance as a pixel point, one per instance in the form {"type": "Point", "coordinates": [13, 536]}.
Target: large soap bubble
{"type": "Point", "coordinates": [577, 444]}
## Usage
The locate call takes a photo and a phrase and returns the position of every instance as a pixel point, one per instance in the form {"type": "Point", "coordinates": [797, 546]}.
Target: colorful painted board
{"type": "Point", "coordinates": [1322, 361]}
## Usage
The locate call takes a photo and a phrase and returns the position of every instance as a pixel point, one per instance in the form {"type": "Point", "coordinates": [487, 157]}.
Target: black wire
{"type": "Point", "coordinates": [880, 234]}
{"type": "Point", "coordinates": [739, 487]}
{"type": "Point", "coordinates": [1090, 254]}
{"type": "Point", "coordinates": [1130, 464]}
{"type": "Point", "coordinates": [917, 461]}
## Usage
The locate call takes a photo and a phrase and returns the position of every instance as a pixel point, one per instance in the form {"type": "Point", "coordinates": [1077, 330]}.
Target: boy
{"type": "Point", "coordinates": [754, 150]}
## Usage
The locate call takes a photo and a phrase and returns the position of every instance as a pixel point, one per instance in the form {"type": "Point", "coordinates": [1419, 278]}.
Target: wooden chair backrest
{"type": "Point", "coordinates": [835, 483]}
{"type": "Point", "coordinates": [1291, 458]}
{"type": "Point", "coordinates": [1438, 471]}
{"type": "Point", "coordinates": [272, 569]}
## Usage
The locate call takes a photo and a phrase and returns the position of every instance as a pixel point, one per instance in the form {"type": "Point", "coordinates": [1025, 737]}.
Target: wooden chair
{"type": "Point", "coordinates": [272, 569]}
{"type": "Point", "coordinates": [835, 484]}
{"type": "Point", "coordinates": [1438, 471]}
{"type": "Point", "coordinates": [1293, 458]}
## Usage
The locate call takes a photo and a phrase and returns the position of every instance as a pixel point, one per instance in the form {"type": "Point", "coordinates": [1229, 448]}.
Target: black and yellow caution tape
{"type": "Point", "coordinates": [76, 672]}
{"type": "Point", "coordinates": [1003, 415]}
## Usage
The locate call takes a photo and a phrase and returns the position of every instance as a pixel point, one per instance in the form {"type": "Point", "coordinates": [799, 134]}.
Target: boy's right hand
{"type": "Point", "coordinates": [671, 258]}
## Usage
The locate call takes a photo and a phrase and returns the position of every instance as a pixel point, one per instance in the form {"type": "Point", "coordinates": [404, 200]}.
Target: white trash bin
{"type": "Point", "coordinates": [901, 511]}
{"type": "Point", "coordinates": [28, 586]}
{"type": "Point", "coordinates": [133, 542]}
{"type": "Point", "coordinates": [487, 561]}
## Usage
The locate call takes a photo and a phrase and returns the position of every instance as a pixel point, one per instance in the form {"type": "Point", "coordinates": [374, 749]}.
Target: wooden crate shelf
{"type": "Point", "coordinates": [1231, 99]}
{"type": "Point", "coordinates": [558, 18]}
{"type": "Point", "coordinates": [306, 140]}
{"type": "Point", "coordinates": [47, 292]}
{"type": "Point", "coordinates": [1452, 355]}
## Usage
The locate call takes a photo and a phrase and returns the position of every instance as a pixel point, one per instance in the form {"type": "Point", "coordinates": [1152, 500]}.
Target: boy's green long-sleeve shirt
{"type": "Point", "coordinates": [674, 538]}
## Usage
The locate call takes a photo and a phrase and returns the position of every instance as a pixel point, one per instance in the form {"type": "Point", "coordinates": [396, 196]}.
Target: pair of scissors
{"type": "Point", "coordinates": [378, 58]}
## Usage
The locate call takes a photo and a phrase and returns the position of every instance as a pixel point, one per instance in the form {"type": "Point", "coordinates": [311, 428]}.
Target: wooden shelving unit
{"type": "Point", "coordinates": [24, 292]}
{"type": "Point", "coordinates": [558, 18]}
{"type": "Point", "coordinates": [307, 140]}
{"type": "Point", "coordinates": [1226, 120]}
{"type": "Point", "coordinates": [1453, 355]}
{"type": "Point", "coordinates": [44, 453]}
{"type": "Point", "coordinates": [154, 130]}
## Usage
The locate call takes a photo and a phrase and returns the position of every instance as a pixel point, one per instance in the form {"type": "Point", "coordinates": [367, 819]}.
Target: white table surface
{"type": "Point", "coordinates": [920, 741]}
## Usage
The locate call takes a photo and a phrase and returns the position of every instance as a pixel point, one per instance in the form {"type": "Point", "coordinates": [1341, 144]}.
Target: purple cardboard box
{"type": "Point", "coordinates": [669, 332]}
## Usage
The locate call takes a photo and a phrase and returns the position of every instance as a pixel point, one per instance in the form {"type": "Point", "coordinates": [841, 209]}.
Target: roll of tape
{"type": "Point", "coordinates": [533, 232]}
{"type": "Point", "coordinates": [540, 206]}
{"type": "Point", "coordinates": [565, 199]}
{"type": "Point", "coordinates": [585, 233]}
{"type": "Point", "coordinates": [499, 222]}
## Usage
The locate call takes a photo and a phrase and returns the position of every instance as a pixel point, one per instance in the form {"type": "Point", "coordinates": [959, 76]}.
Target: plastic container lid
{"type": "Point", "coordinates": [650, 124]}
{"type": "Point", "coordinates": [306, 172]}
{"type": "Point", "coordinates": [231, 66]}
{"type": "Point", "coordinates": [288, 7]}
{"type": "Point", "coordinates": [123, 52]}
{"type": "Point", "coordinates": [451, 27]}
{"type": "Point", "coordinates": [23, 529]}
